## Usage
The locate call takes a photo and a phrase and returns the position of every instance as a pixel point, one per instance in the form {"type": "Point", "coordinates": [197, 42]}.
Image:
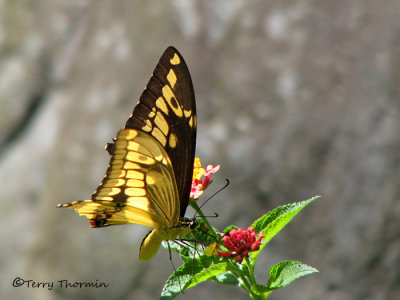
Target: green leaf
{"type": "Point", "coordinates": [180, 279]}
{"type": "Point", "coordinates": [208, 273]}
{"type": "Point", "coordinates": [286, 272]}
{"type": "Point", "coordinates": [273, 222]}
{"type": "Point", "coordinates": [227, 278]}
{"type": "Point", "coordinates": [176, 284]}
{"type": "Point", "coordinates": [193, 272]}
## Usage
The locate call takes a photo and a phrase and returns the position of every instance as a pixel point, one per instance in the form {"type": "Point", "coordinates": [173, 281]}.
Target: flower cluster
{"type": "Point", "coordinates": [240, 242]}
{"type": "Point", "coordinates": [199, 184]}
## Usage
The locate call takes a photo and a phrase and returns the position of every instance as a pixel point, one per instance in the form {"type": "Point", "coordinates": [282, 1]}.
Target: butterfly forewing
{"type": "Point", "coordinates": [167, 111]}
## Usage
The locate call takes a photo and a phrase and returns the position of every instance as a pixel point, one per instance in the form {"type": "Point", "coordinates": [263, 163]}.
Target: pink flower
{"type": "Point", "coordinates": [240, 242]}
{"type": "Point", "coordinates": [199, 184]}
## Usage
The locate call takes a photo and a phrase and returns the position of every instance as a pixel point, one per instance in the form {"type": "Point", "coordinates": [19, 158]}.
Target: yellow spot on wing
{"type": "Point", "coordinates": [187, 113]}
{"type": "Point", "coordinates": [135, 192]}
{"type": "Point", "coordinates": [160, 103]}
{"type": "Point", "coordinates": [159, 136]}
{"type": "Point", "coordinates": [131, 165]}
{"type": "Point", "coordinates": [171, 77]}
{"type": "Point", "coordinates": [135, 174]}
{"type": "Point", "coordinates": [193, 121]}
{"type": "Point", "coordinates": [134, 146]}
{"type": "Point", "coordinates": [161, 123]}
{"type": "Point", "coordinates": [127, 134]}
{"type": "Point", "coordinates": [139, 202]}
{"type": "Point", "coordinates": [172, 140]}
{"type": "Point", "coordinates": [134, 183]}
{"type": "Point", "coordinates": [148, 127]}
{"type": "Point", "coordinates": [175, 60]}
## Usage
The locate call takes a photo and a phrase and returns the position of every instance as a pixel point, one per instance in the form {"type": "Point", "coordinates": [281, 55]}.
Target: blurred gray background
{"type": "Point", "coordinates": [294, 99]}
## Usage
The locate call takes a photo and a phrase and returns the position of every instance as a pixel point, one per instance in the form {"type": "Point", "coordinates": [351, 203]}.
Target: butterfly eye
{"type": "Point", "coordinates": [193, 224]}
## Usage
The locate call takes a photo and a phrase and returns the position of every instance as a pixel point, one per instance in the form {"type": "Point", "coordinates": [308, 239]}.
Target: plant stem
{"type": "Point", "coordinates": [251, 271]}
{"type": "Point", "coordinates": [244, 276]}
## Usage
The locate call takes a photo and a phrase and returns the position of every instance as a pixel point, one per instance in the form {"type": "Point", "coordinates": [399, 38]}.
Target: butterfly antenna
{"type": "Point", "coordinates": [217, 192]}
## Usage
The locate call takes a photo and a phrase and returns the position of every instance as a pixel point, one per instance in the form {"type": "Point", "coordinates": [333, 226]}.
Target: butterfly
{"type": "Point", "coordinates": [149, 176]}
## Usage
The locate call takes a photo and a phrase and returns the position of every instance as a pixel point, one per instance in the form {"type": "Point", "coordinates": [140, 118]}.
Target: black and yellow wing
{"type": "Point", "coordinates": [149, 176]}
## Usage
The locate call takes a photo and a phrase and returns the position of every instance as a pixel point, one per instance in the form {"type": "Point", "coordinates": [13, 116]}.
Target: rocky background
{"type": "Point", "coordinates": [294, 99]}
